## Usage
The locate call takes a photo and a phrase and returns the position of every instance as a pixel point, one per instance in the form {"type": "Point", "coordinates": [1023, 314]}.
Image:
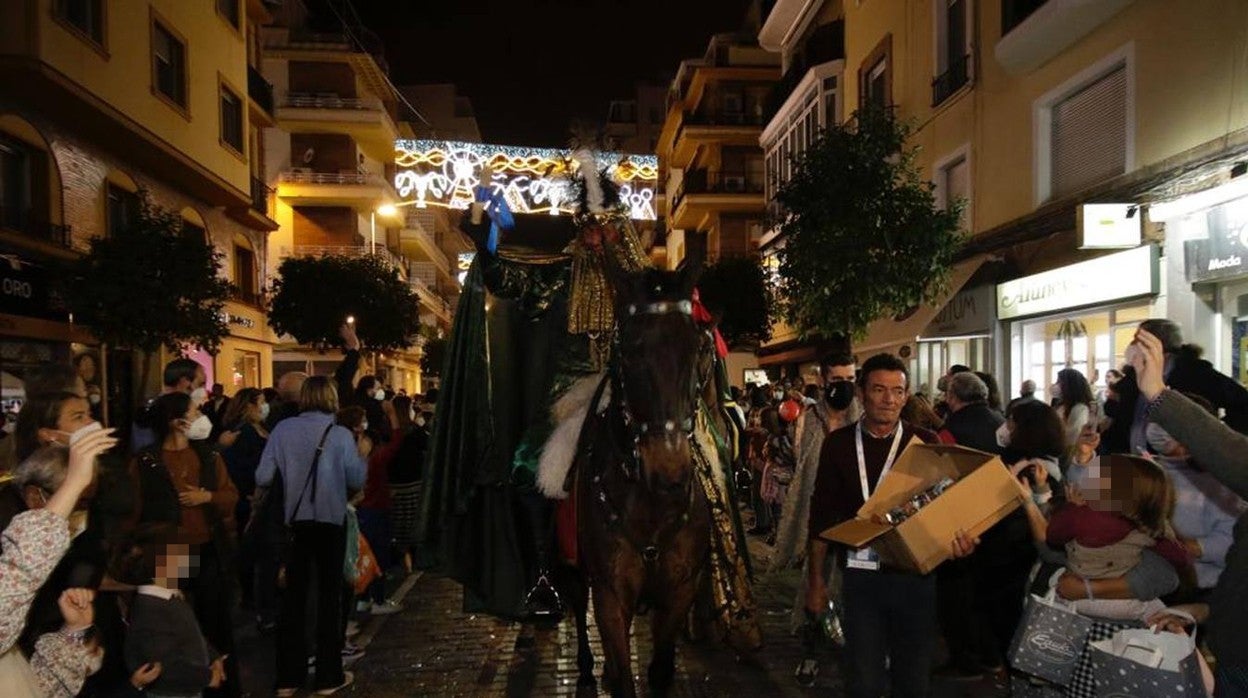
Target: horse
{"type": "Point", "coordinates": [644, 522]}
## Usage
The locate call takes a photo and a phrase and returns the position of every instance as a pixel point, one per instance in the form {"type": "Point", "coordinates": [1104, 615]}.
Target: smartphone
{"type": "Point", "coordinates": [350, 319]}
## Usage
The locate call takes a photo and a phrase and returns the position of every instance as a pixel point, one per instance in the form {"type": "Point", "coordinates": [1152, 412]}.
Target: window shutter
{"type": "Point", "coordinates": [1089, 136]}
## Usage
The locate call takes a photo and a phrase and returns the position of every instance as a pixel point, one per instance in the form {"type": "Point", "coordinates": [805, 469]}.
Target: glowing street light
{"type": "Point", "coordinates": [387, 210]}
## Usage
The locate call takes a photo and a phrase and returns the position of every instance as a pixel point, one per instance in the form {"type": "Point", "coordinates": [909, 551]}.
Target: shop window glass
{"type": "Point", "coordinates": [1079, 350]}
{"type": "Point", "coordinates": [1136, 314]}
{"type": "Point", "coordinates": [1058, 352]}
{"type": "Point", "coordinates": [246, 369]}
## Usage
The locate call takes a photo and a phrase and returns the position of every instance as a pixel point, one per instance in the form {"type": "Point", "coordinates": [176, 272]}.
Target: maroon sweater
{"type": "Point", "coordinates": [1097, 529]}
{"type": "Point", "coordinates": [838, 491]}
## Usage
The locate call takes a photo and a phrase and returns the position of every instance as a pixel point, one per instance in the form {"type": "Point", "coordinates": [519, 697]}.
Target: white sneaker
{"type": "Point", "coordinates": [348, 678]}
{"type": "Point", "coordinates": [386, 608]}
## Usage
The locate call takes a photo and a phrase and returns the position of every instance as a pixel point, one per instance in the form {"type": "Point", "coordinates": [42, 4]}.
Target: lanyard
{"type": "Point", "coordinates": [862, 459]}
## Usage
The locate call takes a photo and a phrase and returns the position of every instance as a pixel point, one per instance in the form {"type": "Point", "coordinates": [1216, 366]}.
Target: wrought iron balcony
{"type": "Point", "coordinates": [25, 221]}
{"type": "Point", "coordinates": [259, 196]}
{"type": "Point", "coordinates": [329, 100]}
{"type": "Point", "coordinates": [259, 89]}
{"type": "Point", "coordinates": [950, 81]}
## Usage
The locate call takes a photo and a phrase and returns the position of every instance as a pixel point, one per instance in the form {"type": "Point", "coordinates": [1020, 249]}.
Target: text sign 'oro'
{"type": "Point", "coordinates": [532, 180]}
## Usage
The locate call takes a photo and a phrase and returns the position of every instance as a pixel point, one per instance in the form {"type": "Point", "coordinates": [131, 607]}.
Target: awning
{"type": "Point", "coordinates": [897, 336]}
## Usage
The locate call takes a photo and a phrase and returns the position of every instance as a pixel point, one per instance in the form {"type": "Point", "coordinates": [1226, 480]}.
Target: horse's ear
{"type": "Point", "coordinates": [695, 259]}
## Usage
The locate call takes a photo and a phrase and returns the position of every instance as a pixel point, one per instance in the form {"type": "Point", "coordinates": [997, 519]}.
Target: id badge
{"type": "Point", "coordinates": [863, 559]}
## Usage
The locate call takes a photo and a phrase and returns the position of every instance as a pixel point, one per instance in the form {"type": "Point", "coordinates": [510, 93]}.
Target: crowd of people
{"type": "Point", "coordinates": [1132, 495]}
{"type": "Point", "coordinates": [127, 562]}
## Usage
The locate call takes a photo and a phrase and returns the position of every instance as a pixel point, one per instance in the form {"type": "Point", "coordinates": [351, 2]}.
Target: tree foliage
{"type": "Point", "coordinates": [149, 284]}
{"type": "Point", "coordinates": [433, 354]}
{"type": "Point", "coordinates": [313, 296]}
{"type": "Point", "coordinates": [738, 291]}
{"type": "Point", "coordinates": [863, 237]}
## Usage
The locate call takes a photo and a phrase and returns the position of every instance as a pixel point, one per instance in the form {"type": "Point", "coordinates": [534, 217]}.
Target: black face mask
{"type": "Point", "coordinates": [839, 394]}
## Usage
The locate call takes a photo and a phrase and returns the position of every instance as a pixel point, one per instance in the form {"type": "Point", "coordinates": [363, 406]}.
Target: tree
{"type": "Point", "coordinates": [863, 237]}
{"type": "Point", "coordinates": [312, 296]}
{"type": "Point", "coordinates": [738, 291]}
{"type": "Point", "coordinates": [149, 284]}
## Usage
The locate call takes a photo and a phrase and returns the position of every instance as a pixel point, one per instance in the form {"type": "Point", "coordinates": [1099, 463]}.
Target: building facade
{"type": "Point", "coordinates": [633, 124]}
{"type": "Point", "coordinates": [1073, 132]}
{"type": "Point", "coordinates": [99, 100]}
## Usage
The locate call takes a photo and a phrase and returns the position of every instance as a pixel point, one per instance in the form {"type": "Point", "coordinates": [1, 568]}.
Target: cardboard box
{"type": "Point", "coordinates": [983, 495]}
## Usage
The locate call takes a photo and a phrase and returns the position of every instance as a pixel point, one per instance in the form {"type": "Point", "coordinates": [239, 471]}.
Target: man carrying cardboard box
{"type": "Point", "coordinates": [890, 615]}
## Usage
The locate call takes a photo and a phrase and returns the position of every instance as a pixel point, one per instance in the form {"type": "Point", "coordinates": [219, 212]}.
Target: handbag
{"type": "Point", "coordinates": [1144, 663]}
{"type": "Point", "coordinates": [1050, 638]}
{"type": "Point", "coordinates": [359, 565]}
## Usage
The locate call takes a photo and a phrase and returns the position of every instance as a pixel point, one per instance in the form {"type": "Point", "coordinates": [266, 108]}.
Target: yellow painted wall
{"type": "Point", "coordinates": [123, 79]}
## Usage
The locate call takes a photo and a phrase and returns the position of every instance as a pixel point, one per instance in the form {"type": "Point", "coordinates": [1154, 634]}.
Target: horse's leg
{"type": "Point", "coordinates": [573, 587]}
{"type": "Point", "coordinates": [614, 617]}
{"type": "Point", "coordinates": [666, 625]}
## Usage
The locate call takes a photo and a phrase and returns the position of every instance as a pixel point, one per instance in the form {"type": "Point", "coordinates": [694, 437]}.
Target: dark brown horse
{"type": "Point", "coordinates": [644, 525]}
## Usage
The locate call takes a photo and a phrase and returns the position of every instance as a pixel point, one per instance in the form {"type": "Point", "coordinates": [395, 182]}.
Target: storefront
{"type": "Point", "coordinates": [961, 333]}
{"type": "Point", "coordinates": [1079, 316]}
{"type": "Point", "coordinates": [245, 359]}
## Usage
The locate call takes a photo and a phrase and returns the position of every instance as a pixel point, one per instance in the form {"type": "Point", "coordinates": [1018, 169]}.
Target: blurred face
{"type": "Point", "coordinates": [175, 564]}
{"type": "Point", "coordinates": [182, 425]}
{"type": "Point", "coordinates": [75, 414]}
{"type": "Point", "coordinates": [86, 369]}
{"type": "Point", "coordinates": [255, 409]}
{"type": "Point", "coordinates": [883, 395]}
{"type": "Point", "coordinates": [838, 373]}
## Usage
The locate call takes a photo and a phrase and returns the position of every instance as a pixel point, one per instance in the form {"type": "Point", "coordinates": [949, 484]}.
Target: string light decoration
{"type": "Point", "coordinates": [532, 180]}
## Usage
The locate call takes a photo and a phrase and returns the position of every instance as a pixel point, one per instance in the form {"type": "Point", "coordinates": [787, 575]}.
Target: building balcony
{"type": "Point", "coordinates": [259, 196]}
{"type": "Point", "coordinates": [365, 119]}
{"type": "Point", "coordinates": [29, 226]}
{"type": "Point", "coordinates": [261, 93]}
{"type": "Point", "coordinates": [419, 244]}
{"type": "Point", "coordinates": [714, 128]}
{"type": "Point", "coordinates": [703, 193]}
{"type": "Point", "coordinates": [824, 45]}
{"type": "Point", "coordinates": [950, 81]}
{"type": "Point", "coordinates": [361, 191]}
{"type": "Point", "coordinates": [430, 302]}
{"type": "Point", "coordinates": [251, 297]}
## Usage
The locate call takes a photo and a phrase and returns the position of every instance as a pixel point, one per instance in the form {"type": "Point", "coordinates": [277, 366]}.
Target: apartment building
{"type": "Point", "coordinates": [633, 124]}
{"type": "Point", "coordinates": [711, 164]}
{"type": "Point", "coordinates": [1096, 146]}
{"type": "Point", "coordinates": [97, 101]}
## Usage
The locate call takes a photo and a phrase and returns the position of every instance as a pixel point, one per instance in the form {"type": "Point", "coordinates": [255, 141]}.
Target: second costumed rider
{"type": "Point", "coordinates": [532, 337]}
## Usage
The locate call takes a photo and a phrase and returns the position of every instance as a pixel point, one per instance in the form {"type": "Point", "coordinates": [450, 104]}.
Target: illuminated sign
{"type": "Point", "coordinates": [1109, 226]}
{"type": "Point", "coordinates": [1105, 279]}
{"type": "Point", "coordinates": [532, 180]}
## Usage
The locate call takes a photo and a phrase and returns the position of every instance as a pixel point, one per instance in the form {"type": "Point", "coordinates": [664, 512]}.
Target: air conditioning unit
{"type": "Point", "coordinates": [734, 183]}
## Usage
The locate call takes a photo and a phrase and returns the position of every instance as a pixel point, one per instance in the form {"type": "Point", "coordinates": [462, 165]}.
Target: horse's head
{"type": "Point", "coordinates": [660, 367]}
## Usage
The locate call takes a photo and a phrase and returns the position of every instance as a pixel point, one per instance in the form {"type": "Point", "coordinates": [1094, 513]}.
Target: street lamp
{"type": "Point", "coordinates": [387, 210]}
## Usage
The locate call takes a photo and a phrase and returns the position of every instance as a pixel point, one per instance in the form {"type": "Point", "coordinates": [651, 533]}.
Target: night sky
{"type": "Point", "coordinates": [531, 67]}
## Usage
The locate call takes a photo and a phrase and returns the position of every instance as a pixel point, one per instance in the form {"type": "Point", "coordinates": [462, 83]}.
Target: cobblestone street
{"type": "Point", "coordinates": [432, 649]}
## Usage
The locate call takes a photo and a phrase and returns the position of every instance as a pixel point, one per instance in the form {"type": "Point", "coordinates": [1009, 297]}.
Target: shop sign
{"type": "Point", "coordinates": [1225, 253]}
{"type": "Point", "coordinates": [1107, 279]}
{"type": "Point", "coordinates": [26, 289]}
{"type": "Point", "coordinates": [970, 312]}
{"type": "Point", "coordinates": [1109, 226]}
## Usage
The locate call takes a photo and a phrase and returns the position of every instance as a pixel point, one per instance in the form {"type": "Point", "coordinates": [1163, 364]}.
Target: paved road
{"type": "Point", "coordinates": [432, 649]}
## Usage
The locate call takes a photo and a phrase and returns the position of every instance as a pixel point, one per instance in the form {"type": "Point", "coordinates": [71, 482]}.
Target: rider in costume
{"type": "Point", "coordinates": [533, 332]}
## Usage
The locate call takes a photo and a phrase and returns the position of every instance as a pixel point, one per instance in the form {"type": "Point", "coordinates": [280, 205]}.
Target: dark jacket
{"type": "Point", "coordinates": [1220, 452]}
{"type": "Point", "coordinates": [975, 426]}
{"type": "Point", "coordinates": [166, 631]}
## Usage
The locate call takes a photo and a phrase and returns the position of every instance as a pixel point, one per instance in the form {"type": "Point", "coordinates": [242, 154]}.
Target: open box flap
{"type": "Point", "coordinates": [855, 533]}
{"type": "Point", "coordinates": [918, 466]}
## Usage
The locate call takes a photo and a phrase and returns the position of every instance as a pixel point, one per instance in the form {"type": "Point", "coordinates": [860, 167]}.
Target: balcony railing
{"type": "Point", "coordinates": [301, 176]}
{"type": "Point", "coordinates": [259, 196]}
{"type": "Point", "coordinates": [950, 81]}
{"type": "Point", "coordinates": [719, 182]}
{"type": "Point", "coordinates": [720, 117]}
{"type": "Point", "coordinates": [250, 297]}
{"type": "Point", "coordinates": [26, 222]}
{"type": "Point", "coordinates": [259, 89]}
{"type": "Point", "coordinates": [329, 100]}
{"type": "Point", "coordinates": [399, 262]}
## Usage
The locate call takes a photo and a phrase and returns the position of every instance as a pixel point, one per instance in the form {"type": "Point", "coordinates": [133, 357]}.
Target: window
{"type": "Point", "coordinates": [122, 209]}
{"type": "Point", "coordinates": [229, 9]}
{"type": "Point", "coordinates": [952, 49]}
{"type": "Point", "coordinates": [231, 119]}
{"type": "Point", "coordinates": [193, 230]}
{"type": "Point", "coordinates": [246, 369]}
{"type": "Point", "coordinates": [15, 184]}
{"type": "Point", "coordinates": [954, 185]}
{"type": "Point", "coordinates": [87, 16]}
{"type": "Point", "coordinates": [1088, 134]}
{"type": "Point", "coordinates": [1014, 12]}
{"type": "Point", "coordinates": [875, 76]}
{"type": "Point", "coordinates": [802, 129]}
{"type": "Point", "coordinates": [168, 64]}
{"type": "Point", "coordinates": [245, 274]}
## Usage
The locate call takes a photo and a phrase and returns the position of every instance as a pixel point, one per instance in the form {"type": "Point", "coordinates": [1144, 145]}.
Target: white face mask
{"type": "Point", "coordinates": [200, 429]}
{"type": "Point", "coordinates": [84, 430]}
{"type": "Point", "coordinates": [379, 395]}
{"type": "Point", "coordinates": [364, 425]}
{"type": "Point", "coordinates": [93, 398]}
{"type": "Point", "coordinates": [1003, 435]}
{"type": "Point", "coordinates": [264, 411]}
{"type": "Point", "coordinates": [199, 395]}
{"type": "Point", "coordinates": [420, 420]}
